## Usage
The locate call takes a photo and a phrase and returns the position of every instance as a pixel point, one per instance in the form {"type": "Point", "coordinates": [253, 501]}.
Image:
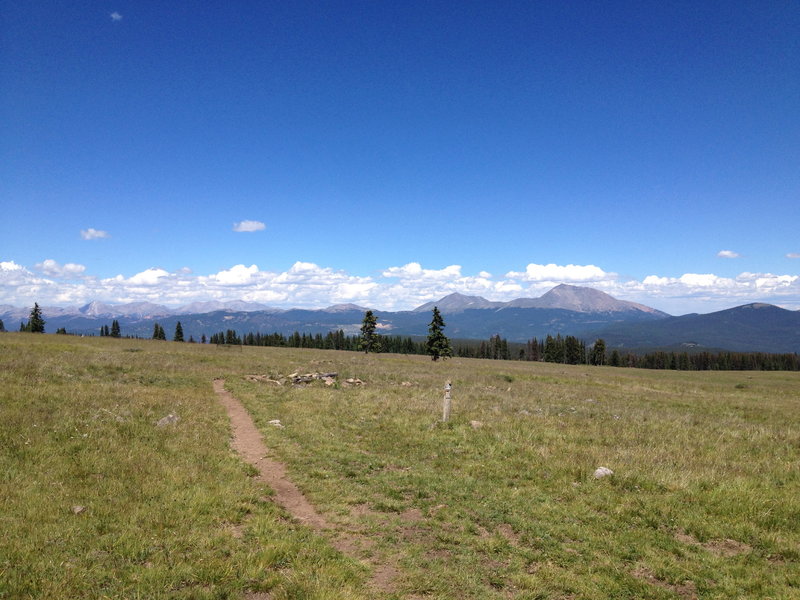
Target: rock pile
{"type": "Point", "coordinates": [303, 379]}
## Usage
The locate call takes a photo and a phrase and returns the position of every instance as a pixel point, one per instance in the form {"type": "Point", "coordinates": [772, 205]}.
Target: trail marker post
{"type": "Point", "coordinates": [446, 406]}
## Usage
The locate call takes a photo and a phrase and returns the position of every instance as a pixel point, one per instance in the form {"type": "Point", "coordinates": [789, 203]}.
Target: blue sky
{"type": "Point", "coordinates": [389, 153]}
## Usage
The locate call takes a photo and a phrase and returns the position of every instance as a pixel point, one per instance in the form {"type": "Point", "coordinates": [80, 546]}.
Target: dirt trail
{"type": "Point", "coordinates": [247, 441]}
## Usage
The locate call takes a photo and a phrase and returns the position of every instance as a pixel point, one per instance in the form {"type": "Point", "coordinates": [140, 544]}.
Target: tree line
{"type": "Point", "coordinates": [437, 345]}
{"type": "Point", "coordinates": [556, 349]}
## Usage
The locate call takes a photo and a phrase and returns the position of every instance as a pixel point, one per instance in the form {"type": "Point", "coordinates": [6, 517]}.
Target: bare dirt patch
{"type": "Point", "coordinates": [725, 547]}
{"type": "Point", "coordinates": [686, 590]}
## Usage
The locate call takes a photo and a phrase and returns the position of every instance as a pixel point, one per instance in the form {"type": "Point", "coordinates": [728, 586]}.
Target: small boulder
{"type": "Point", "coordinates": [601, 472]}
{"type": "Point", "coordinates": [476, 424]}
{"type": "Point", "coordinates": [276, 423]}
{"type": "Point", "coordinates": [78, 509]}
{"type": "Point", "coordinates": [170, 419]}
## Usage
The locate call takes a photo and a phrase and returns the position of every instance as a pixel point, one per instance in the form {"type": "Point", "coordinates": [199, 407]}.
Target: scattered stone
{"type": "Point", "coordinates": [170, 419]}
{"type": "Point", "coordinates": [524, 412]}
{"type": "Point", "coordinates": [476, 424]}
{"type": "Point", "coordinates": [406, 384]}
{"type": "Point", "coordinates": [329, 381]}
{"type": "Point", "coordinates": [276, 423]}
{"type": "Point", "coordinates": [262, 379]}
{"type": "Point", "coordinates": [589, 400]}
{"type": "Point", "coordinates": [78, 509]}
{"type": "Point", "coordinates": [298, 379]}
{"type": "Point", "coordinates": [601, 472]}
{"type": "Point", "coordinates": [353, 381]}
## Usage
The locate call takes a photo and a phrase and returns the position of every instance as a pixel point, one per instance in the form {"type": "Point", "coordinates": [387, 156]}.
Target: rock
{"type": "Point", "coordinates": [170, 419]}
{"type": "Point", "coordinates": [78, 509]}
{"type": "Point", "coordinates": [276, 423]}
{"type": "Point", "coordinates": [329, 380]}
{"type": "Point", "coordinates": [476, 424]}
{"type": "Point", "coordinates": [524, 412]}
{"type": "Point", "coordinates": [406, 384]}
{"type": "Point", "coordinates": [601, 472]}
{"type": "Point", "coordinates": [262, 379]}
{"type": "Point", "coordinates": [353, 381]}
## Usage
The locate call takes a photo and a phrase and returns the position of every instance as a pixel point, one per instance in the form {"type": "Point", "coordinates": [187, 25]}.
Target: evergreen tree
{"type": "Point", "coordinates": [369, 339]}
{"type": "Point", "coordinates": [61, 331]}
{"type": "Point", "coordinates": [598, 354]}
{"type": "Point", "coordinates": [203, 339]}
{"type": "Point", "coordinates": [574, 351]}
{"type": "Point", "coordinates": [438, 345]}
{"type": "Point", "coordinates": [2, 327]}
{"type": "Point", "coordinates": [178, 333]}
{"type": "Point", "coordinates": [36, 322]}
{"type": "Point", "coordinates": [616, 359]}
{"type": "Point", "coordinates": [115, 332]}
{"type": "Point", "coordinates": [158, 332]}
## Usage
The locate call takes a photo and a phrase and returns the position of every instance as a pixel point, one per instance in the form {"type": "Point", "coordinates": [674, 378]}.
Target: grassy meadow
{"type": "Point", "coordinates": [98, 501]}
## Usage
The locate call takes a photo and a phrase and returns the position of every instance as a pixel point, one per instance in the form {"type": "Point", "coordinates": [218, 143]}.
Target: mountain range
{"type": "Point", "coordinates": [567, 310]}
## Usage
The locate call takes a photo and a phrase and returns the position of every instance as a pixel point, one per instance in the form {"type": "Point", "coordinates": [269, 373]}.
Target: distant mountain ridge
{"type": "Point", "coordinates": [564, 296]}
{"type": "Point", "coordinates": [756, 327]}
{"type": "Point", "coordinates": [567, 310]}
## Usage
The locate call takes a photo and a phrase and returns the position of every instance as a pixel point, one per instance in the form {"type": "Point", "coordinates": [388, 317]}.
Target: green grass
{"type": "Point", "coordinates": [705, 499]}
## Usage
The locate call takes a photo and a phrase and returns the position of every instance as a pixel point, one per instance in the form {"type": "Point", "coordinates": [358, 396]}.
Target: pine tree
{"type": "Point", "coordinates": [35, 322]}
{"type": "Point", "coordinates": [2, 327]}
{"type": "Point", "coordinates": [598, 355]}
{"type": "Point", "coordinates": [178, 333]}
{"type": "Point", "coordinates": [438, 345]}
{"type": "Point", "coordinates": [203, 339]}
{"type": "Point", "coordinates": [115, 332]}
{"type": "Point", "coordinates": [369, 339]}
{"type": "Point", "coordinates": [158, 332]}
{"type": "Point", "coordinates": [616, 359]}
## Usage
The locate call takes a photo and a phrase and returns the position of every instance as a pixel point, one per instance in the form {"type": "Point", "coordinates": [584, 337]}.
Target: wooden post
{"type": "Point", "coordinates": [446, 405]}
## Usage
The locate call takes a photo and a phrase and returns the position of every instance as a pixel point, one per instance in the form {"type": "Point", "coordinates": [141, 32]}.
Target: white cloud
{"type": "Point", "coordinates": [247, 226]}
{"type": "Point", "coordinates": [561, 273]}
{"type": "Point", "coordinates": [309, 285]}
{"type": "Point", "coordinates": [728, 254]}
{"type": "Point", "coordinates": [793, 255]}
{"type": "Point", "coordinates": [236, 275]}
{"type": "Point", "coordinates": [68, 271]}
{"type": "Point", "coordinates": [414, 270]}
{"type": "Point", "coordinates": [115, 16]}
{"type": "Point", "coordinates": [149, 277]}
{"type": "Point", "coordinates": [94, 234]}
